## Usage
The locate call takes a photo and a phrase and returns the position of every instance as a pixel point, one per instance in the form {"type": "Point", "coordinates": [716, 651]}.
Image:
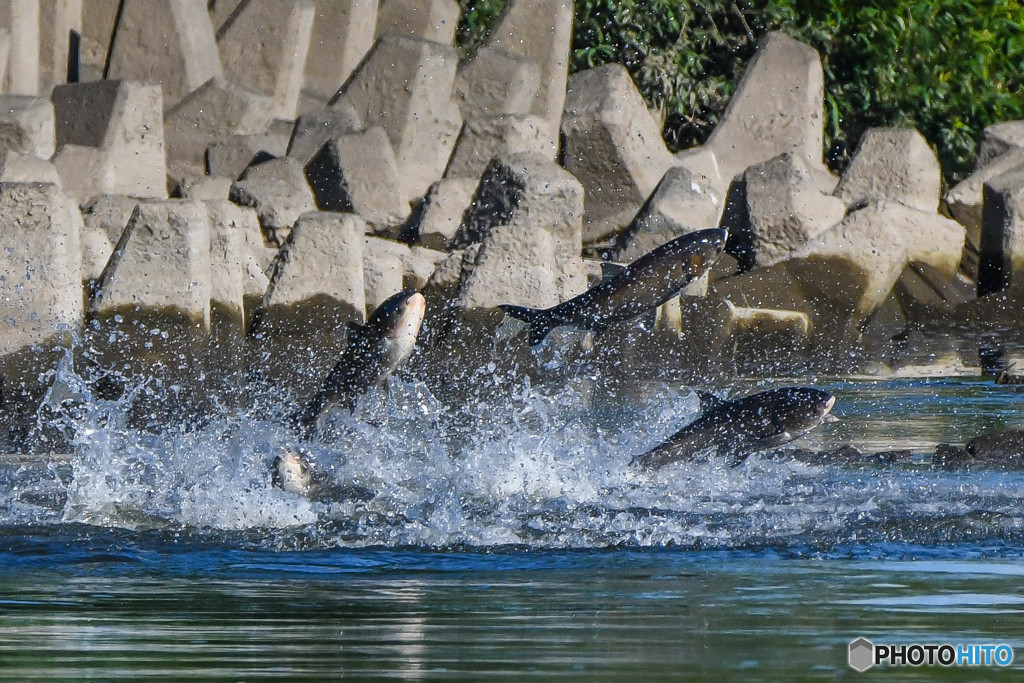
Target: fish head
{"type": "Point", "coordinates": [797, 410]}
{"type": "Point", "coordinates": [703, 249]}
{"type": "Point", "coordinates": [291, 472]}
{"type": "Point", "coordinates": [398, 321]}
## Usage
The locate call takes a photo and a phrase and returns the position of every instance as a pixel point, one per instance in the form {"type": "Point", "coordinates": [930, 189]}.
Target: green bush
{"type": "Point", "coordinates": [946, 67]}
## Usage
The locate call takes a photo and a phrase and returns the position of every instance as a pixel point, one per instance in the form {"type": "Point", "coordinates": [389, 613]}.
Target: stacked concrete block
{"type": "Point", "coordinates": [613, 146]}
{"type": "Point", "coordinates": [965, 199]}
{"type": "Point", "coordinates": [110, 139]}
{"type": "Point", "coordinates": [263, 44]}
{"type": "Point", "coordinates": [420, 264]}
{"type": "Point", "coordinates": [405, 86]}
{"type": "Point", "coordinates": [357, 173]}
{"type": "Point", "coordinates": [527, 193]}
{"type": "Point", "coordinates": [170, 42]}
{"type": "Point", "coordinates": [383, 269]}
{"type": "Point", "coordinates": [99, 19]}
{"type": "Point", "coordinates": [776, 108]}
{"type": "Point", "coordinates": [314, 130]}
{"type": "Point", "coordinates": [161, 265]}
{"type": "Point", "coordinates": [41, 266]}
{"type": "Point", "coordinates": [892, 163]}
{"type": "Point", "coordinates": [230, 156]}
{"type": "Point", "coordinates": [57, 20]}
{"type": "Point", "coordinates": [495, 82]}
{"type": "Point", "coordinates": [485, 137]}
{"type": "Point", "coordinates": [221, 12]}
{"type": "Point", "coordinates": [785, 208]}
{"type": "Point", "coordinates": [680, 204]}
{"type": "Point", "coordinates": [343, 32]}
{"type": "Point", "coordinates": [219, 109]}
{"type": "Point", "coordinates": [998, 139]}
{"type": "Point", "coordinates": [540, 30]}
{"type": "Point", "coordinates": [434, 20]}
{"type": "Point", "coordinates": [27, 168]}
{"type": "Point", "coordinates": [443, 208]}
{"type": "Point", "coordinates": [317, 281]}
{"type": "Point", "coordinates": [279, 192]}
{"type": "Point", "coordinates": [27, 126]}
{"type": "Point", "coordinates": [510, 266]}
{"type": "Point", "coordinates": [203, 188]}
{"type": "Point", "coordinates": [104, 219]}
{"type": "Point", "coordinates": [1002, 235]}
{"type": "Point", "coordinates": [21, 19]}
{"type": "Point", "coordinates": [238, 281]}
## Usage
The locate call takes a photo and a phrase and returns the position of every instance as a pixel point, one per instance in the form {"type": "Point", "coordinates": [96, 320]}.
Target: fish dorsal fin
{"type": "Point", "coordinates": [610, 269]}
{"type": "Point", "coordinates": [354, 329]}
{"type": "Point", "coordinates": [709, 401]}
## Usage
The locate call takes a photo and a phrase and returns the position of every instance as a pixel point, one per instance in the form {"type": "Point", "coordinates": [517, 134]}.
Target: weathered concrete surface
{"type": "Point", "coordinates": [99, 18]}
{"type": "Point", "coordinates": [1002, 235]}
{"type": "Point", "coordinates": [27, 126]}
{"type": "Point", "coordinates": [41, 272]}
{"type": "Point", "coordinates": [161, 265]}
{"type": "Point", "coordinates": [892, 163]}
{"type": "Point", "coordinates": [405, 86]}
{"type": "Point", "coordinates": [110, 139]}
{"type": "Point", "coordinates": [510, 267]}
{"type": "Point", "coordinates": [264, 45]}
{"type": "Point", "coordinates": [229, 157]}
{"type": "Point", "coordinates": [357, 173]}
{"type": "Point", "coordinates": [20, 18]}
{"type": "Point", "coordinates": [170, 42]}
{"type": "Point", "coordinates": [203, 188]}
{"type": "Point", "coordinates": [279, 192]}
{"type": "Point", "coordinates": [104, 217]}
{"type": "Point", "coordinates": [998, 139]}
{"type": "Point", "coordinates": [383, 269]}
{"type": "Point", "coordinates": [613, 146]}
{"type": "Point", "coordinates": [495, 82]}
{"type": "Point", "coordinates": [540, 30]}
{"type": "Point", "coordinates": [57, 20]}
{"type": "Point", "coordinates": [786, 209]}
{"type": "Point", "coordinates": [219, 109]}
{"type": "Point", "coordinates": [343, 32]}
{"type": "Point", "coordinates": [965, 199]}
{"type": "Point", "coordinates": [776, 108]}
{"type": "Point", "coordinates": [679, 204]}
{"type": "Point", "coordinates": [443, 208]}
{"type": "Point", "coordinates": [484, 138]}
{"type": "Point", "coordinates": [315, 129]}
{"type": "Point", "coordinates": [25, 168]}
{"type": "Point", "coordinates": [434, 20]}
{"type": "Point", "coordinates": [528, 193]}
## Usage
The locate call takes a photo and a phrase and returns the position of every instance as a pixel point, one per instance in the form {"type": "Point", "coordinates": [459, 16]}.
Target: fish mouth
{"type": "Point", "coordinates": [411, 319]}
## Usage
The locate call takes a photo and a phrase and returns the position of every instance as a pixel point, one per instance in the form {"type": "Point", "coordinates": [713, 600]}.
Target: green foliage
{"type": "Point", "coordinates": [946, 67]}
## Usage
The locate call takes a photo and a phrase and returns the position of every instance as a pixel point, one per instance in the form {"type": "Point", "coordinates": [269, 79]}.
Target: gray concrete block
{"type": "Point", "coordinates": [892, 163]}
{"type": "Point", "coordinates": [21, 19]}
{"type": "Point", "coordinates": [343, 32]}
{"type": "Point", "coordinates": [495, 82]}
{"type": "Point", "coordinates": [279, 192]}
{"type": "Point", "coordinates": [443, 209]}
{"type": "Point", "coordinates": [57, 20]}
{"type": "Point", "coordinates": [230, 156]}
{"type": "Point", "coordinates": [27, 126]}
{"type": "Point", "coordinates": [483, 138]}
{"type": "Point", "coordinates": [434, 20]}
{"type": "Point", "coordinates": [99, 18]}
{"type": "Point", "coordinates": [264, 44]}
{"type": "Point", "coordinates": [188, 57]}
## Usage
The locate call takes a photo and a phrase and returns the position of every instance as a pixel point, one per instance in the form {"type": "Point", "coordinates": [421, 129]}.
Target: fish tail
{"type": "Point", "coordinates": [538, 319]}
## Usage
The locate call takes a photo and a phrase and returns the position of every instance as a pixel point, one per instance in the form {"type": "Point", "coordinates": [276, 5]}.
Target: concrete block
{"type": "Point", "coordinates": [495, 82]}
{"type": "Point", "coordinates": [99, 19]}
{"type": "Point", "coordinates": [357, 173]}
{"type": "Point", "coordinates": [204, 188]}
{"type": "Point", "coordinates": [776, 108]}
{"type": "Point", "coordinates": [27, 126]}
{"type": "Point", "coordinates": [892, 163]}
{"type": "Point", "coordinates": [110, 139]}
{"type": "Point", "coordinates": [420, 264]}
{"type": "Point", "coordinates": [264, 44]}
{"type": "Point", "coordinates": [405, 86]}
{"type": "Point", "coordinates": [998, 139]}
{"type": "Point", "coordinates": [40, 268]}
{"type": "Point", "coordinates": [434, 20]}
{"type": "Point", "coordinates": [23, 168]}
{"type": "Point", "coordinates": [443, 209]}
{"type": "Point", "coordinates": [182, 28]}
{"type": "Point", "coordinates": [540, 30]}
{"type": "Point", "coordinates": [965, 199]}
{"type": "Point", "coordinates": [481, 139]}
{"type": "Point", "coordinates": [1001, 265]}
{"type": "Point", "coordinates": [343, 32]}
{"type": "Point", "coordinates": [680, 204]}
{"type": "Point", "coordinates": [317, 281]}
{"type": "Point", "coordinates": [161, 265]}
{"type": "Point", "coordinates": [57, 20]}
{"type": "Point", "coordinates": [219, 109]}
{"type": "Point", "coordinates": [383, 269]}
{"type": "Point", "coordinates": [279, 192]}
{"type": "Point", "coordinates": [21, 20]}
{"type": "Point", "coordinates": [511, 266]}
{"type": "Point", "coordinates": [613, 146]}
{"type": "Point", "coordinates": [314, 130]}
{"type": "Point", "coordinates": [104, 219]}
{"type": "Point", "coordinates": [230, 156]}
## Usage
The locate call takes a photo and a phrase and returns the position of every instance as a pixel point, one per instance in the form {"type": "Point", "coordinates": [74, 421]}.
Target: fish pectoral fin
{"type": "Point", "coordinates": [709, 401]}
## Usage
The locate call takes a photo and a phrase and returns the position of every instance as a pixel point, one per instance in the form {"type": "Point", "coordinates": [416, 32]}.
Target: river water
{"type": "Point", "coordinates": [509, 537]}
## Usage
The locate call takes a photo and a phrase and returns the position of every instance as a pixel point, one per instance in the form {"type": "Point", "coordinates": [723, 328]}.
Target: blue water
{"type": "Point", "coordinates": [511, 539]}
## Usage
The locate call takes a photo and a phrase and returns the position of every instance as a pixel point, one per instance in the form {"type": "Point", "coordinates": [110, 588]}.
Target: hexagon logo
{"type": "Point", "coordinates": [862, 654]}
